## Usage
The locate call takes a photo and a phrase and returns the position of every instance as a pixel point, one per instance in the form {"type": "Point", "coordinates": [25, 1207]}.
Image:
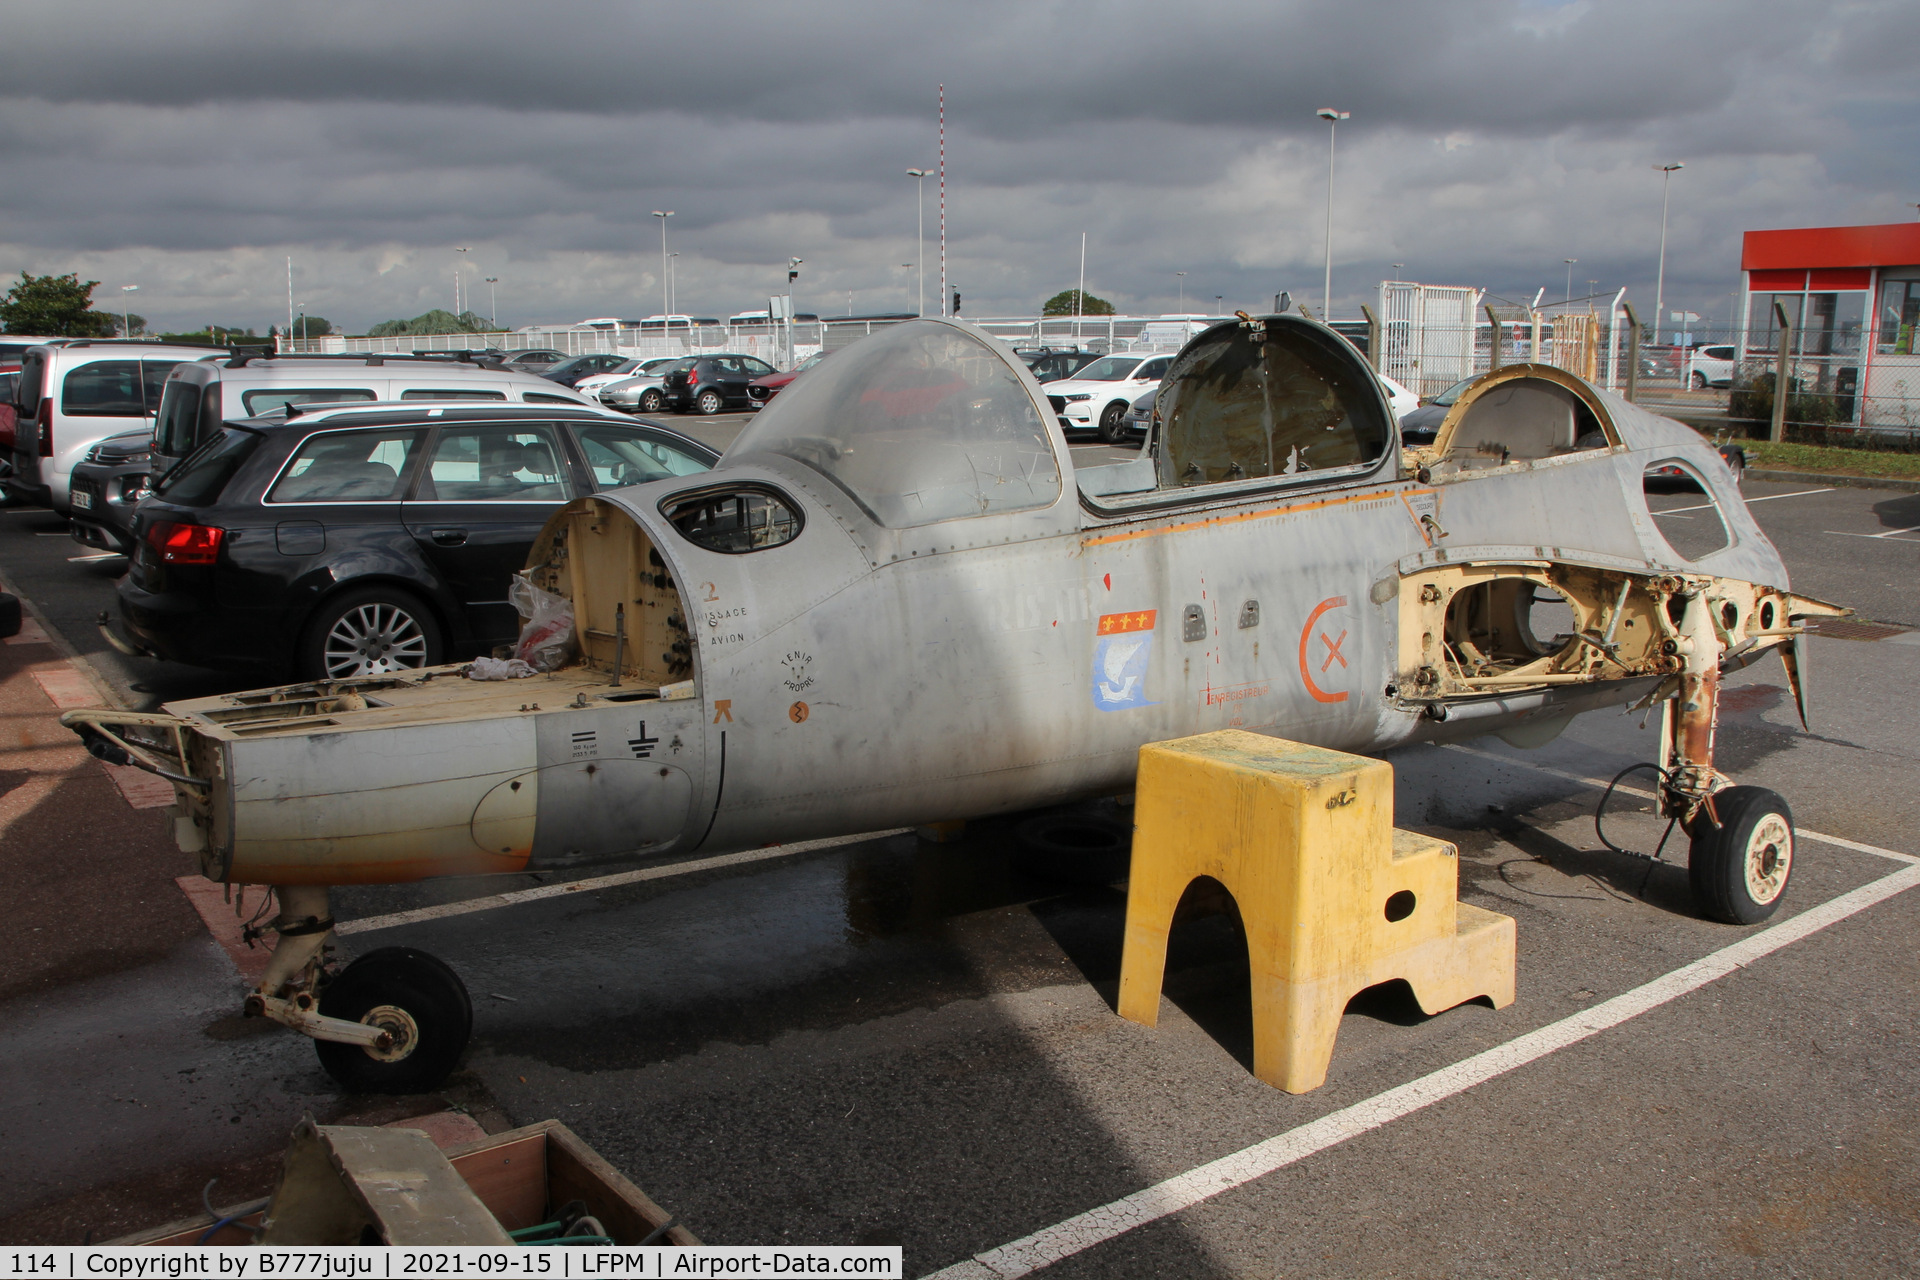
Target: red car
{"type": "Point", "coordinates": [761, 390]}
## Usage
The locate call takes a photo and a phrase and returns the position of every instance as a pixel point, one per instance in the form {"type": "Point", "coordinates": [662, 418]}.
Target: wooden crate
{"type": "Point", "coordinates": [520, 1175]}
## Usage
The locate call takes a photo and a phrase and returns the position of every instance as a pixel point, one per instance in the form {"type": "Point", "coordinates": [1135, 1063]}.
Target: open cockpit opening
{"type": "Point", "coordinates": [627, 609]}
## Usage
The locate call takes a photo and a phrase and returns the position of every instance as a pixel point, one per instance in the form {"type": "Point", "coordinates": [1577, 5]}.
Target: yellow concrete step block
{"type": "Point", "coordinates": [1333, 898]}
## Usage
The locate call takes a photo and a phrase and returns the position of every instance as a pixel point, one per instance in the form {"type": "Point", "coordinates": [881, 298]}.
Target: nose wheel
{"type": "Point", "coordinates": [1740, 867]}
{"type": "Point", "coordinates": [418, 1001]}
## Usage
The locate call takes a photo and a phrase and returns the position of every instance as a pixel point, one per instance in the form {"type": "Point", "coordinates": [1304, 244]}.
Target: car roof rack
{"type": "Point", "coordinates": [373, 359]}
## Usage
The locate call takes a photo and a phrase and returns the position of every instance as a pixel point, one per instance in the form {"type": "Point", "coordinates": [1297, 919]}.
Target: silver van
{"type": "Point", "coordinates": [73, 393]}
{"type": "Point", "coordinates": [198, 398]}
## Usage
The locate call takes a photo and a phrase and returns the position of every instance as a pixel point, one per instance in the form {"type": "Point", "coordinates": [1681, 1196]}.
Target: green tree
{"type": "Point", "coordinates": [311, 327]}
{"type": "Point", "coordinates": [55, 307]}
{"type": "Point", "coordinates": [1061, 304]}
{"type": "Point", "coordinates": [134, 323]}
{"type": "Point", "coordinates": [435, 321]}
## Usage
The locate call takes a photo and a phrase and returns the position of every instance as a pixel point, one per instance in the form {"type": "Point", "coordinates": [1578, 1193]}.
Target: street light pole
{"type": "Point", "coordinates": [126, 311]}
{"type": "Point", "coordinates": [1183, 291]}
{"type": "Point", "coordinates": [458, 309]}
{"type": "Point", "coordinates": [920, 253]}
{"type": "Point", "coordinates": [493, 311]}
{"type": "Point", "coordinates": [673, 283]}
{"type": "Point", "coordinates": [1396, 271]}
{"type": "Point", "coordinates": [1569, 262]}
{"type": "Point", "coordinates": [1333, 119]}
{"type": "Point", "coordinates": [1660, 280]}
{"type": "Point", "coordinates": [666, 296]}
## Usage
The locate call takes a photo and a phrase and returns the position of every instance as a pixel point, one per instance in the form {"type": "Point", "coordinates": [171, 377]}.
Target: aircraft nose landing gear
{"type": "Point", "coordinates": [1742, 837]}
{"type": "Point", "coordinates": [396, 1020]}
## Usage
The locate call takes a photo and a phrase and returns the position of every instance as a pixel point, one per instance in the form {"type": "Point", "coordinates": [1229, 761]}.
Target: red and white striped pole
{"type": "Point", "coordinates": [944, 298]}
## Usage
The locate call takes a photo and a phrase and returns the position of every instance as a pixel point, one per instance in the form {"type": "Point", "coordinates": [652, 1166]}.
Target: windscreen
{"type": "Point", "coordinates": [920, 422]}
{"type": "Point", "coordinates": [176, 428]}
{"type": "Point", "coordinates": [1272, 399]}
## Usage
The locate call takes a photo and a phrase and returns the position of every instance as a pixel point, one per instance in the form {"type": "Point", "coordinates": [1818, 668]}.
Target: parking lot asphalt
{"type": "Point", "coordinates": [891, 1040]}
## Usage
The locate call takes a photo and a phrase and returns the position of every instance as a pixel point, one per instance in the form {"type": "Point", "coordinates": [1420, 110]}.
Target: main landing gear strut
{"type": "Point", "coordinates": [1742, 837]}
{"type": "Point", "coordinates": [396, 1020]}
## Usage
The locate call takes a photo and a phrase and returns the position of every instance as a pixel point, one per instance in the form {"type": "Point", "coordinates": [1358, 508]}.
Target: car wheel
{"type": "Point", "coordinates": [651, 402]}
{"type": "Point", "coordinates": [1699, 381]}
{"type": "Point", "coordinates": [418, 1000]}
{"type": "Point", "coordinates": [709, 402]}
{"type": "Point", "coordinates": [1736, 460]}
{"type": "Point", "coordinates": [1110, 422]}
{"type": "Point", "coordinates": [371, 632]}
{"type": "Point", "coordinates": [1739, 869]}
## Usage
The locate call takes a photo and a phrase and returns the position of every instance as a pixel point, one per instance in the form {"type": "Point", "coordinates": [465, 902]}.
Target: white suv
{"type": "Point", "coordinates": [1097, 397]}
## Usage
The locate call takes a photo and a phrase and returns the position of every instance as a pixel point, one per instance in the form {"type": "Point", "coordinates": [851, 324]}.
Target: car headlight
{"type": "Point", "coordinates": [1075, 399]}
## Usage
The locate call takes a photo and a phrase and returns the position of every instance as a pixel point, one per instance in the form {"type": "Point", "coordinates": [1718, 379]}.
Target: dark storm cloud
{"type": "Point", "coordinates": [1490, 139]}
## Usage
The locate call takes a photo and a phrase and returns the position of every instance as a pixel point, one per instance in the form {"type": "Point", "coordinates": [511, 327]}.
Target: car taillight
{"type": "Point", "coordinates": [46, 428]}
{"type": "Point", "coordinates": [185, 543]}
{"type": "Point", "coordinates": [693, 377]}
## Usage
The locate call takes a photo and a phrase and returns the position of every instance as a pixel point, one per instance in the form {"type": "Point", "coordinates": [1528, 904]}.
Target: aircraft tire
{"type": "Point", "coordinates": [1739, 870]}
{"type": "Point", "coordinates": [1075, 848]}
{"type": "Point", "coordinates": [407, 990]}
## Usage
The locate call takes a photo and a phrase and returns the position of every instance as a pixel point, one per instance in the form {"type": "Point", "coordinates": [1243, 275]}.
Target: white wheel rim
{"type": "Point", "coordinates": [373, 640]}
{"type": "Point", "coordinates": [399, 1024]}
{"type": "Point", "coordinates": [1769, 858]}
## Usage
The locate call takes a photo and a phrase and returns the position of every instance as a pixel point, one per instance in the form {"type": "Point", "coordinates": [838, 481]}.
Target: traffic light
{"type": "Point", "coordinates": [956, 302]}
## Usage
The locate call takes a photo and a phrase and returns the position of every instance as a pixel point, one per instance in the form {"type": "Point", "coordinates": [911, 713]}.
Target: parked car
{"type": "Point", "coordinates": [568, 372]}
{"type": "Point", "coordinates": [1139, 417]}
{"type": "Point", "coordinates": [1098, 396]}
{"type": "Point", "coordinates": [632, 371]}
{"type": "Point", "coordinates": [357, 540]}
{"type": "Point", "coordinates": [763, 390]}
{"type": "Point", "coordinates": [1050, 364]}
{"type": "Point", "coordinates": [640, 393]}
{"type": "Point", "coordinates": [708, 384]}
{"type": "Point", "coordinates": [532, 359]}
{"type": "Point", "coordinates": [107, 486]}
{"type": "Point", "coordinates": [76, 392]}
{"type": "Point", "coordinates": [1710, 367]}
{"type": "Point", "coordinates": [1400, 400]}
{"type": "Point", "coordinates": [198, 397]}
{"type": "Point", "coordinates": [1420, 425]}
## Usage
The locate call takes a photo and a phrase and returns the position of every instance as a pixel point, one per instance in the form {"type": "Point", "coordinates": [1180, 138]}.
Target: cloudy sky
{"type": "Point", "coordinates": [190, 147]}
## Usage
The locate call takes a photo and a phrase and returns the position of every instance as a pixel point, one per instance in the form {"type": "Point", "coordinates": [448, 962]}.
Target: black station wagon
{"type": "Point", "coordinates": [356, 541]}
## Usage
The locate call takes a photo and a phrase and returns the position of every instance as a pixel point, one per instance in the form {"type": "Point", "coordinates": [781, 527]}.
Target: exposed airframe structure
{"type": "Point", "coordinates": [894, 602]}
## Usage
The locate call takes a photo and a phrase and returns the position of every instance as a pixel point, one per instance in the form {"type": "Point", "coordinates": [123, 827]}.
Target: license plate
{"type": "Point", "coordinates": [82, 500]}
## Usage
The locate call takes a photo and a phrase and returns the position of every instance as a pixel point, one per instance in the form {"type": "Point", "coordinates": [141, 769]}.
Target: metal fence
{"type": "Point", "coordinates": [1845, 383]}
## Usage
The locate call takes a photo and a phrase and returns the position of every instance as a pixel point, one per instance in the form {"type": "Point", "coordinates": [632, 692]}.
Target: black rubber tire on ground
{"type": "Point", "coordinates": [1740, 869]}
{"type": "Point", "coordinates": [709, 402]}
{"type": "Point", "coordinates": [1075, 848]}
{"type": "Point", "coordinates": [9, 615]}
{"type": "Point", "coordinates": [431, 996]}
{"type": "Point", "coordinates": [1699, 380]}
{"type": "Point", "coordinates": [1736, 460]}
{"type": "Point", "coordinates": [1110, 416]}
{"type": "Point", "coordinates": [398, 634]}
{"type": "Point", "coordinates": [651, 401]}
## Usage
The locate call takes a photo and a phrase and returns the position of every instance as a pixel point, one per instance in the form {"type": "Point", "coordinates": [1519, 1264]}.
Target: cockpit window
{"type": "Point", "coordinates": [918, 423]}
{"type": "Point", "coordinates": [1272, 399]}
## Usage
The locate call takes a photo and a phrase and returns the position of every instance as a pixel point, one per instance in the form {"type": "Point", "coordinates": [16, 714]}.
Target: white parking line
{"type": "Point", "coordinates": [1768, 497]}
{"type": "Point", "coordinates": [1890, 534]}
{"type": "Point", "coordinates": [1600, 785]}
{"type": "Point", "coordinates": [494, 901]}
{"type": "Point", "coordinates": [1096, 1226]}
